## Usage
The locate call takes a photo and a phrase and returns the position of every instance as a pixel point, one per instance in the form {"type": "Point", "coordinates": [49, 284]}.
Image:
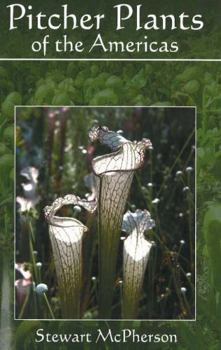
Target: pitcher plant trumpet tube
{"type": "Point", "coordinates": [135, 257]}
{"type": "Point", "coordinates": [66, 236]}
{"type": "Point", "coordinates": [114, 173]}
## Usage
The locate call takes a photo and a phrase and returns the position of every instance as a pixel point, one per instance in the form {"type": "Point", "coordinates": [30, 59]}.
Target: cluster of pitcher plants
{"type": "Point", "coordinates": [110, 184]}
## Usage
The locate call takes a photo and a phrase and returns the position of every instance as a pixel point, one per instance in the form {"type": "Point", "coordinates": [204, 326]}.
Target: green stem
{"type": "Point", "coordinates": [20, 316]}
{"type": "Point", "coordinates": [49, 307]}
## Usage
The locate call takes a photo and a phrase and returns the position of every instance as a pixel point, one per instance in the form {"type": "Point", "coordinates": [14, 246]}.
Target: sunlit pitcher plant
{"type": "Point", "coordinates": [135, 257]}
{"type": "Point", "coordinates": [66, 236]}
{"type": "Point", "coordinates": [113, 175]}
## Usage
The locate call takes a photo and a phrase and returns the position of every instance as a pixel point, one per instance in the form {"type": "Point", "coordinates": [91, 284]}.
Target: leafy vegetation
{"type": "Point", "coordinates": [165, 186]}
{"type": "Point", "coordinates": [125, 84]}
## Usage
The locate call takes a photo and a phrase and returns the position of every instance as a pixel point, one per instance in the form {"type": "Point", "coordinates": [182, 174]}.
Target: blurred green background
{"type": "Point", "coordinates": [197, 84]}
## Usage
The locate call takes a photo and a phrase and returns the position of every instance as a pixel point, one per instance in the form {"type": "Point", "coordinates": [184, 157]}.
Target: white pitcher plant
{"type": "Point", "coordinates": [110, 186]}
{"type": "Point", "coordinates": [114, 173]}
{"type": "Point", "coordinates": [66, 234]}
{"type": "Point", "coordinates": [135, 257]}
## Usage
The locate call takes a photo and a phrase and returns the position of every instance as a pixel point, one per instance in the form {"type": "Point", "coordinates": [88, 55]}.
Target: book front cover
{"type": "Point", "coordinates": [110, 175]}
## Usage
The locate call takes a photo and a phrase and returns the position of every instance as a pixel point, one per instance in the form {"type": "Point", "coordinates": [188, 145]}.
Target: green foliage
{"type": "Point", "coordinates": [212, 233]}
{"type": "Point", "coordinates": [13, 99]}
{"type": "Point", "coordinates": [173, 83]}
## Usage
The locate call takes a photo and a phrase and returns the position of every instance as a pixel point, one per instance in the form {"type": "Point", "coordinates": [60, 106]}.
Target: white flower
{"type": "Point", "coordinates": [183, 290]}
{"type": "Point", "coordinates": [41, 288]}
{"type": "Point", "coordinates": [186, 189]}
{"type": "Point", "coordinates": [189, 169]}
{"type": "Point", "coordinates": [155, 200]}
{"type": "Point", "coordinates": [39, 264]}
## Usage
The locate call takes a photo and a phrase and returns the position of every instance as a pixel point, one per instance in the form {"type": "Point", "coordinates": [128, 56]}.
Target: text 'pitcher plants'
{"type": "Point", "coordinates": [66, 236]}
{"type": "Point", "coordinates": [115, 174]}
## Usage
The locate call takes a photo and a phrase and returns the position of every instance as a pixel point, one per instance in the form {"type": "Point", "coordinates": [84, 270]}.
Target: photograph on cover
{"type": "Point", "coordinates": [105, 213]}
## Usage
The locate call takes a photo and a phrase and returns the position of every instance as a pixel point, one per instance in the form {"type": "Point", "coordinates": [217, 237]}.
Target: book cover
{"type": "Point", "coordinates": [110, 175]}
